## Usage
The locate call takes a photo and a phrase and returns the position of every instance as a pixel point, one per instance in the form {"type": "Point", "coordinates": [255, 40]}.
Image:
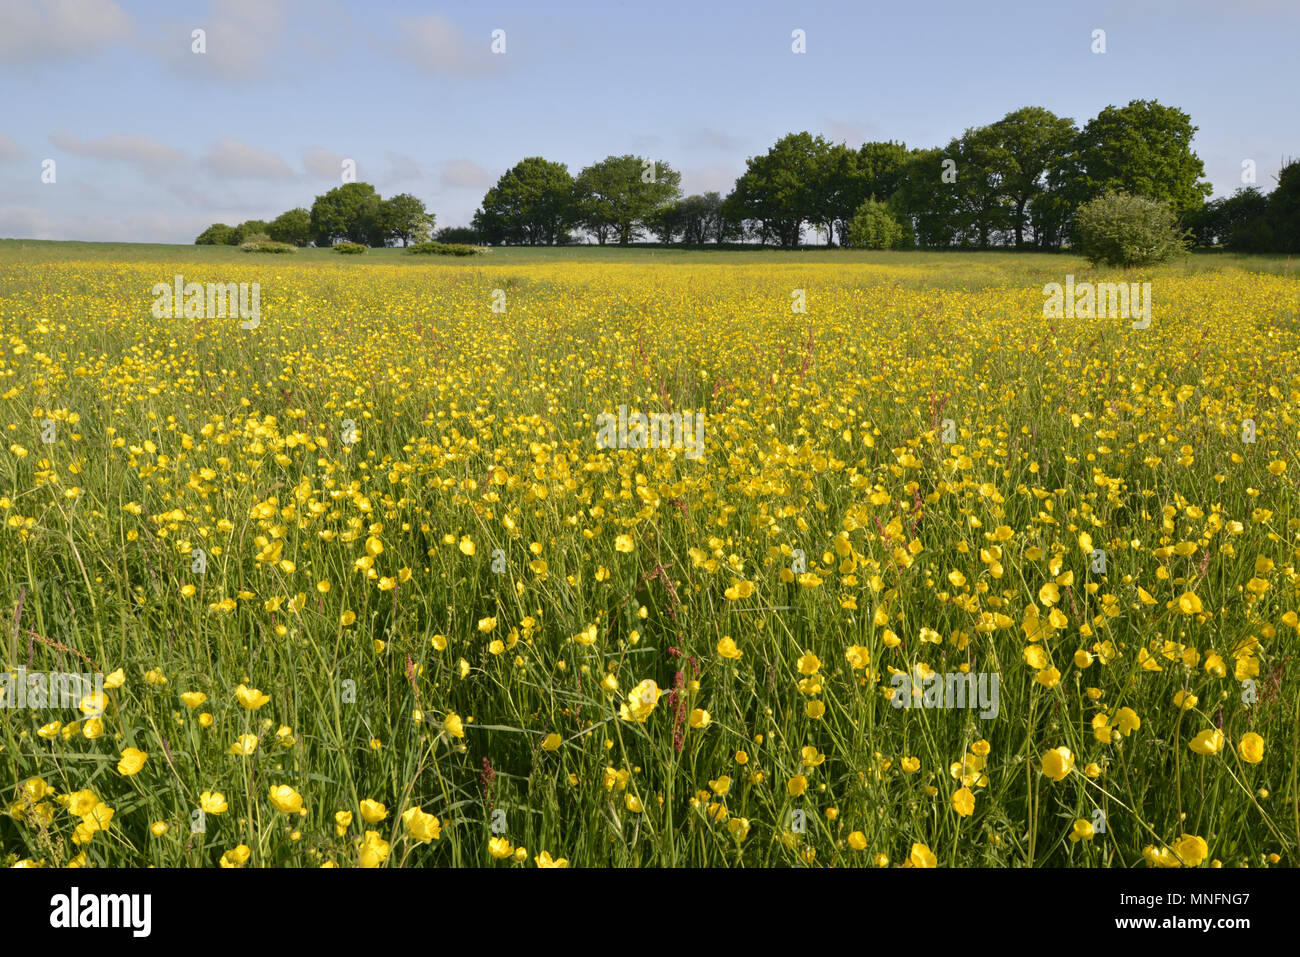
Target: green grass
{"type": "Point", "coordinates": [952, 263]}
{"type": "Point", "coordinates": [478, 426]}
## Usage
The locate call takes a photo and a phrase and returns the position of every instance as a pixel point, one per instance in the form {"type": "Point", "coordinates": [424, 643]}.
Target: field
{"type": "Point", "coordinates": [365, 590]}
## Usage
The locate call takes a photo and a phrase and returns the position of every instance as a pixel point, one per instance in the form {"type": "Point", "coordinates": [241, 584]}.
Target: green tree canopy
{"type": "Point", "coordinates": [532, 203]}
{"type": "Point", "coordinates": [404, 217]}
{"type": "Point", "coordinates": [292, 226]}
{"type": "Point", "coordinates": [346, 212]}
{"type": "Point", "coordinates": [218, 234]}
{"type": "Point", "coordinates": [620, 194]}
{"type": "Point", "coordinates": [786, 187]}
{"type": "Point", "coordinates": [1030, 141]}
{"type": "Point", "coordinates": [1143, 148]}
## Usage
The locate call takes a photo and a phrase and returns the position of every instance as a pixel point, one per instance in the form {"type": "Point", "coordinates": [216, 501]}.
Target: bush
{"type": "Point", "coordinates": [264, 244]}
{"type": "Point", "coordinates": [349, 248]}
{"type": "Point", "coordinates": [874, 226]}
{"type": "Point", "coordinates": [465, 235]}
{"type": "Point", "coordinates": [1119, 229]}
{"type": "Point", "coordinates": [251, 231]}
{"type": "Point", "coordinates": [444, 249]}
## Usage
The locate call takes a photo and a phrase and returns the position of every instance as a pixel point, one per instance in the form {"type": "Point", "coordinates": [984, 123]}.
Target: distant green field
{"type": "Point", "coordinates": [30, 250]}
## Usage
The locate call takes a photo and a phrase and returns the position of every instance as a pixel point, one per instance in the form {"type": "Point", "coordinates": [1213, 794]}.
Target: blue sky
{"type": "Point", "coordinates": [152, 142]}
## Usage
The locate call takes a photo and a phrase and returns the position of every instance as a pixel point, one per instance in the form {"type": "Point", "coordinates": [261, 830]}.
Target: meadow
{"type": "Point", "coordinates": [365, 590]}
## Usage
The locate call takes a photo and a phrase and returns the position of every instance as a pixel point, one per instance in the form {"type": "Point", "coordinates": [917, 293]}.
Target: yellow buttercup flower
{"type": "Point", "coordinates": [727, 649]}
{"type": "Point", "coordinates": [1057, 763]}
{"type": "Point", "coordinates": [132, 761]}
{"type": "Point", "coordinates": [237, 856]}
{"type": "Point", "coordinates": [640, 702]}
{"type": "Point", "coordinates": [1251, 748]}
{"type": "Point", "coordinates": [285, 799]}
{"type": "Point", "coordinates": [922, 856]}
{"type": "Point", "coordinates": [250, 698]}
{"type": "Point", "coordinates": [1209, 741]}
{"type": "Point", "coordinates": [421, 826]}
{"type": "Point", "coordinates": [372, 850]}
{"type": "Point", "coordinates": [963, 802]}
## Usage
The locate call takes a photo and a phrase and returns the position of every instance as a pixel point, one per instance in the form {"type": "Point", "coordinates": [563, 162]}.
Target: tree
{"type": "Point", "coordinates": [880, 167]}
{"type": "Point", "coordinates": [732, 223]}
{"type": "Point", "coordinates": [532, 203]}
{"type": "Point", "coordinates": [701, 218]}
{"type": "Point", "coordinates": [930, 204]}
{"type": "Point", "coordinates": [405, 218]}
{"type": "Point", "coordinates": [251, 227]}
{"type": "Point", "coordinates": [1284, 210]}
{"type": "Point", "coordinates": [874, 226]}
{"type": "Point", "coordinates": [667, 222]}
{"type": "Point", "coordinates": [1215, 223]}
{"type": "Point", "coordinates": [874, 170]}
{"type": "Point", "coordinates": [696, 219]}
{"type": "Point", "coordinates": [350, 212]}
{"type": "Point", "coordinates": [591, 213]}
{"type": "Point", "coordinates": [1143, 148]}
{"type": "Point", "coordinates": [834, 188]}
{"type": "Point", "coordinates": [293, 226]}
{"type": "Point", "coordinates": [1031, 140]}
{"type": "Point", "coordinates": [983, 165]}
{"type": "Point", "coordinates": [461, 235]}
{"type": "Point", "coordinates": [1119, 229]}
{"type": "Point", "coordinates": [620, 194]}
{"type": "Point", "coordinates": [1249, 221]}
{"type": "Point", "coordinates": [786, 187]}
{"type": "Point", "coordinates": [218, 234]}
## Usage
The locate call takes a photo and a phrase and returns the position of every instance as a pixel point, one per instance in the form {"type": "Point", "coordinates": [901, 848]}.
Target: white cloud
{"type": "Point", "coordinates": [323, 163]}
{"type": "Point", "coordinates": [718, 178]}
{"type": "Point", "coordinates": [709, 138]}
{"type": "Point", "coordinates": [10, 151]}
{"type": "Point", "coordinates": [31, 32]}
{"type": "Point", "coordinates": [142, 151]}
{"type": "Point", "coordinates": [848, 131]}
{"type": "Point", "coordinates": [401, 169]}
{"type": "Point", "coordinates": [241, 38]}
{"type": "Point", "coordinates": [25, 222]}
{"type": "Point", "coordinates": [436, 45]}
{"type": "Point", "coordinates": [231, 158]}
{"type": "Point", "coordinates": [466, 174]}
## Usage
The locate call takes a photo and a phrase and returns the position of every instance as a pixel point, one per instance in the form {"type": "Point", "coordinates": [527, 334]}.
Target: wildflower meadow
{"type": "Point", "coordinates": [717, 561]}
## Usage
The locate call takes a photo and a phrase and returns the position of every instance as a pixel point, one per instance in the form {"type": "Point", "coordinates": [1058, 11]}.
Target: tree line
{"type": "Point", "coordinates": [1017, 182]}
{"type": "Point", "coordinates": [353, 212]}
